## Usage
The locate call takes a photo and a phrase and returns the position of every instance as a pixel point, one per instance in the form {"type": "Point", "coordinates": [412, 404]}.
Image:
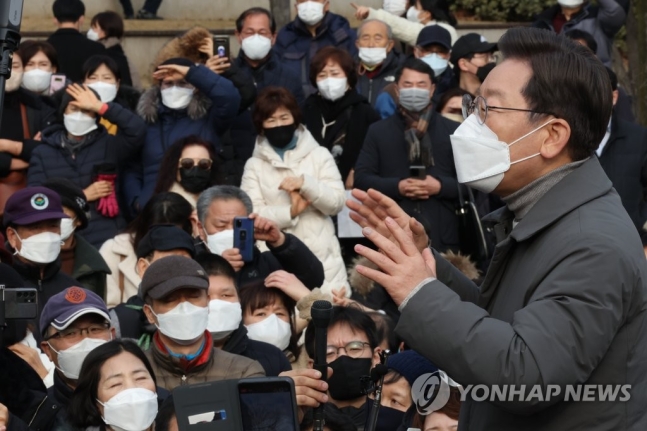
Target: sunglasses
{"type": "Point", "coordinates": [202, 164]}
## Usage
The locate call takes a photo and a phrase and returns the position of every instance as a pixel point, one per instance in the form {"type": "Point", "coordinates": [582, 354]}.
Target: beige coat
{"type": "Point", "coordinates": [122, 261]}
{"type": "Point", "coordinates": [322, 186]}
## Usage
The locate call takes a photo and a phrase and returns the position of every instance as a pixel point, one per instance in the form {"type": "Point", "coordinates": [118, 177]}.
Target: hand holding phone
{"type": "Point", "coordinates": [56, 82]}
{"type": "Point", "coordinates": [418, 171]}
{"type": "Point", "coordinates": [244, 237]}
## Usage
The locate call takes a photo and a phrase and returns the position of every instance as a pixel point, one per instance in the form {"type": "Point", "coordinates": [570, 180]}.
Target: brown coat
{"type": "Point", "coordinates": [220, 366]}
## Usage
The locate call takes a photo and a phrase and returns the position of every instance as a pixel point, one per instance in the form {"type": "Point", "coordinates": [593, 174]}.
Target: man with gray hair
{"type": "Point", "coordinates": [219, 205]}
{"type": "Point", "coordinates": [378, 61]}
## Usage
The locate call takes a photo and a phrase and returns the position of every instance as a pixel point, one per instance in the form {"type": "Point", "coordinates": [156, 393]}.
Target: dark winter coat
{"type": "Point", "coordinates": [624, 159]}
{"type": "Point", "coordinates": [384, 162]}
{"type": "Point", "coordinates": [564, 302]}
{"type": "Point", "coordinates": [352, 115]}
{"type": "Point", "coordinates": [208, 114]}
{"type": "Point", "coordinates": [295, 45]}
{"type": "Point", "coordinates": [52, 160]}
{"type": "Point", "coordinates": [72, 51]}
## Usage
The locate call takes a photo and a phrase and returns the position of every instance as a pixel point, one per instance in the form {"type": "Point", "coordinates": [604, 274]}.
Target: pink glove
{"type": "Point", "coordinates": [108, 206]}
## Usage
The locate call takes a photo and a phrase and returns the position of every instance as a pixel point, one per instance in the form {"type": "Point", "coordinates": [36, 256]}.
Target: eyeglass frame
{"type": "Point", "coordinates": [468, 106]}
{"type": "Point", "coordinates": [337, 349]}
{"type": "Point", "coordinates": [195, 164]}
{"type": "Point", "coordinates": [59, 334]}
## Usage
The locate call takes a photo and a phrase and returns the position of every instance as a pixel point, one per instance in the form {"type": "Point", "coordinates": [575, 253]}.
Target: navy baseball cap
{"type": "Point", "coordinates": [164, 238]}
{"type": "Point", "coordinates": [471, 43]}
{"type": "Point", "coordinates": [434, 34]}
{"type": "Point", "coordinates": [32, 205]}
{"type": "Point", "coordinates": [62, 309]}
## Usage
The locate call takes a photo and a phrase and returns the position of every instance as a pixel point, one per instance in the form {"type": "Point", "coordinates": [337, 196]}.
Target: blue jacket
{"type": "Point", "coordinates": [52, 160]}
{"type": "Point", "coordinates": [295, 45]}
{"type": "Point", "coordinates": [208, 114]}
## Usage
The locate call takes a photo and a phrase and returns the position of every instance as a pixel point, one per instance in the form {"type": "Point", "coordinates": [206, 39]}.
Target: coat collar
{"type": "Point", "coordinates": [583, 185]}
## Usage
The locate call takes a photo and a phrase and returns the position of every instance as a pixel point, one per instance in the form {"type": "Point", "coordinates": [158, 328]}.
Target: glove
{"type": "Point", "coordinates": [108, 206]}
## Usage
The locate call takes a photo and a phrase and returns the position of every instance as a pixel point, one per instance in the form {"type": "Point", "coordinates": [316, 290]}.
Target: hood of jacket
{"type": "Point", "coordinates": [186, 45]}
{"type": "Point", "coordinates": [305, 145]}
{"type": "Point", "coordinates": [150, 106]}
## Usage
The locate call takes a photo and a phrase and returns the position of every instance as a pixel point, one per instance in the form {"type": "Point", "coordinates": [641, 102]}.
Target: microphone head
{"type": "Point", "coordinates": [321, 313]}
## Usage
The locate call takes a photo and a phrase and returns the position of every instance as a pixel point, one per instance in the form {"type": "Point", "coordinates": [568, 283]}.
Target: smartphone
{"type": "Point", "coordinates": [20, 302]}
{"type": "Point", "coordinates": [221, 46]}
{"type": "Point", "coordinates": [268, 404]}
{"type": "Point", "coordinates": [209, 406]}
{"type": "Point", "coordinates": [56, 82]}
{"type": "Point", "coordinates": [419, 172]}
{"type": "Point", "coordinates": [244, 237]}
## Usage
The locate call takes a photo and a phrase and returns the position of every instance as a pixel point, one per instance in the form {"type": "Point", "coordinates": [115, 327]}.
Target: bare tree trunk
{"type": "Point", "coordinates": [637, 51]}
{"type": "Point", "coordinates": [281, 11]}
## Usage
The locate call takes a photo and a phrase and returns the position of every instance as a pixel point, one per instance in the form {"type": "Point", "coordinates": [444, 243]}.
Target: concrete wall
{"type": "Point", "coordinates": [185, 9]}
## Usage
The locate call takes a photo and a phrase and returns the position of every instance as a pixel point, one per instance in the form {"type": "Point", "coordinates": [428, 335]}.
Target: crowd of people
{"type": "Point", "coordinates": [119, 204]}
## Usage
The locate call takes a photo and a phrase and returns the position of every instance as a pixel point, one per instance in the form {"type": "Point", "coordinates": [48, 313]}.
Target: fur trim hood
{"type": "Point", "coordinates": [150, 106]}
{"type": "Point", "coordinates": [187, 45]}
{"type": "Point", "coordinates": [363, 286]}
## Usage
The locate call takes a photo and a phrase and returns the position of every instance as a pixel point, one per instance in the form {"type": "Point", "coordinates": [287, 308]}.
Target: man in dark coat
{"type": "Point", "coordinates": [219, 205]}
{"type": "Point", "coordinates": [72, 47]}
{"type": "Point", "coordinates": [385, 164]}
{"type": "Point", "coordinates": [314, 28]}
{"type": "Point", "coordinates": [560, 321]}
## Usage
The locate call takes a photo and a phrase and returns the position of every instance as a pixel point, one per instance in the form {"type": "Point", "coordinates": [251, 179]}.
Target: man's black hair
{"type": "Point", "coordinates": [354, 318]}
{"type": "Point", "coordinates": [68, 10]}
{"type": "Point", "coordinates": [240, 21]}
{"type": "Point", "coordinates": [568, 81]}
{"type": "Point", "coordinates": [417, 65]}
{"type": "Point", "coordinates": [589, 40]}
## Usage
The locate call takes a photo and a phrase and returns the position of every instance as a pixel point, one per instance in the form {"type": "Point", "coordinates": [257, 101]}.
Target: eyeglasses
{"type": "Point", "coordinates": [74, 334]}
{"type": "Point", "coordinates": [202, 164]}
{"type": "Point", "coordinates": [478, 104]}
{"type": "Point", "coordinates": [354, 349]}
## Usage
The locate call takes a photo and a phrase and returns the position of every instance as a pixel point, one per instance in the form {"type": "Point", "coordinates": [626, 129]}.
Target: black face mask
{"type": "Point", "coordinates": [194, 180]}
{"type": "Point", "coordinates": [345, 382]}
{"type": "Point", "coordinates": [483, 71]}
{"type": "Point", "coordinates": [280, 137]}
{"type": "Point", "coordinates": [388, 419]}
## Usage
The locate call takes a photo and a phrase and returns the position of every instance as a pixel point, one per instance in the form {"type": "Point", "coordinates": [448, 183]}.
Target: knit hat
{"type": "Point", "coordinates": [410, 365]}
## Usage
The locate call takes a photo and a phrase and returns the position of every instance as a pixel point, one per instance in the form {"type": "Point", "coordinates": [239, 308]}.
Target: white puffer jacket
{"type": "Point", "coordinates": [322, 186]}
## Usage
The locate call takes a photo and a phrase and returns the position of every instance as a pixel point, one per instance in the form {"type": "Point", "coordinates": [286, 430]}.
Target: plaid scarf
{"type": "Point", "coordinates": [420, 149]}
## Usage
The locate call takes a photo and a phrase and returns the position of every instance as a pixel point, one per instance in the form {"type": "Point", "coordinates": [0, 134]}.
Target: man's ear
{"type": "Point", "coordinates": [464, 65]}
{"type": "Point", "coordinates": [238, 37]}
{"type": "Point", "coordinates": [616, 94]}
{"type": "Point", "coordinates": [12, 238]}
{"type": "Point", "coordinates": [326, 6]}
{"type": "Point", "coordinates": [44, 346]}
{"type": "Point", "coordinates": [148, 311]}
{"type": "Point", "coordinates": [389, 46]}
{"type": "Point", "coordinates": [142, 266]}
{"type": "Point", "coordinates": [201, 231]}
{"type": "Point", "coordinates": [559, 133]}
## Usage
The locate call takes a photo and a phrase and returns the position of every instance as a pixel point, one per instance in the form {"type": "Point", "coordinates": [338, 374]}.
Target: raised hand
{"type": "Point", "coordinates": [268, 231]}
{"type": "Point", "coordinates": [173, 71]}
{"type": "Point", "coordinates": [84, 98]}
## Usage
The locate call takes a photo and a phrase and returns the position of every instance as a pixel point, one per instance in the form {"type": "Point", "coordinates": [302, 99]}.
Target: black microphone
{"type": "Point", "coordinates": [321, 313]}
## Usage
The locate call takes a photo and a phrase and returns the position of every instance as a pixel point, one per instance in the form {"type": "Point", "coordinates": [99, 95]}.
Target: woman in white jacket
{"type": "Point", "coordinates": [295, 182]}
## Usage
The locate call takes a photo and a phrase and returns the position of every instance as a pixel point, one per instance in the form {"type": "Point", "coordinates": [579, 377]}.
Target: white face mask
{"type": "Point", "coordinates": [40, 248]}
{"type": "Point", "coordinates": [436, 62]}
{"type": "Point", "coordinates": [224, 318]}
{"type": "Point", "coordinates": [333, 88]}
{"type": "Point", "coordinates": [271, 330]}
{"type": "Point", "coordinates": [36, 80]}
{"type": "Point", "coordinates": [414, 99]}
{"type": "Point", "coordinates": [92, 35]}
{"type": "Point", "coordinates": [132, 409]}
{"type": "Point", "coordinates": [570, 3]}
{"type": "Point", "coordinates": [67, 228]}
{"type": "Point", "coordinates": [412, 14]}
{"type": "Point", "coordinates": [395, 7]}
{"type": "Point", "coordinates": [221, 241]}
{"type": "Point", "coordinates": [372, 56]}
{"type": "Point", "coordinates": [107, 92]}
{"type": "Point", "coordinates": [480, 158]}
{"type": "Point", "coordinates": [310, 12]}
{"type": "Point", "coordinates": [177, 97]}
{"type": "Point", "coordinates": [13, 83]}
{"type": "Point", "coordinates": [185, 323]}
{"type": "Point", "coordinates": [79, 124]}
{"type": "Point", "coordinates": [70, 360]}
{"type": "Point", "coordinates": [256, 47]}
